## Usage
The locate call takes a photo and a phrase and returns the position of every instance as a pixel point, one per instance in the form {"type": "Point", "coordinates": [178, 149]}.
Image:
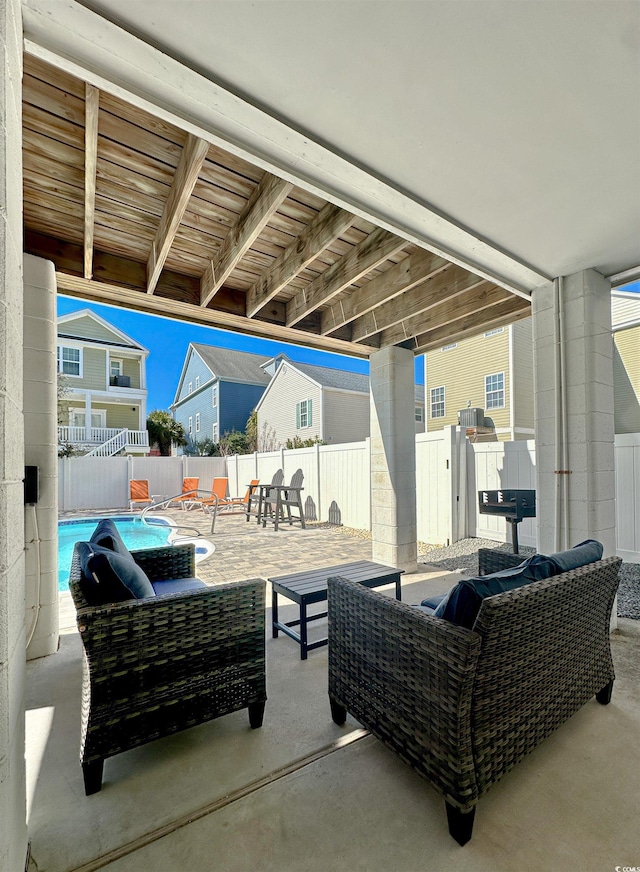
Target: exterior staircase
{"type": "Point", "coordinates": [111, 446]}
{"type": "Point", "coordinates": [103, 441]}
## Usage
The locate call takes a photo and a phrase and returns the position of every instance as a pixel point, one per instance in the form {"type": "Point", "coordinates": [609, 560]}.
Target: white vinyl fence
{"type": "Point", "coordinates": [628, 496]}
{"type": "Point", "coordinates": [103, 482]}
{"type": "Point", "coordinates": [449, 473]}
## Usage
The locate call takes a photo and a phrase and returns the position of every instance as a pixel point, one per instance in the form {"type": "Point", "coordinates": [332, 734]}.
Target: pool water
{"type": "Point", "coordinates": [134, 533]}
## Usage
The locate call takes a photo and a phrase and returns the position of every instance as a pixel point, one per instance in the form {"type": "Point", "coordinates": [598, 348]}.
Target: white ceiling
{"type": "Point", "coordinates": [517, 121]}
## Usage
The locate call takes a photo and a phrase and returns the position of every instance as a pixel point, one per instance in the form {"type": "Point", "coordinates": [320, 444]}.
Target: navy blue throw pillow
{"type": "Point", "coordinates": [109, 577]}
{"type": "Point", "coordinates": [464, 601]}
{"type": "Point", "coordinates": [107, 535]}
{"type": "Point", "coordinates": [580, 555]}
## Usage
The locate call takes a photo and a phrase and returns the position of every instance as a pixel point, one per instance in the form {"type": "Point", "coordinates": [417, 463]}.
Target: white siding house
{"type": "Point", "coordinates": [317, 402]}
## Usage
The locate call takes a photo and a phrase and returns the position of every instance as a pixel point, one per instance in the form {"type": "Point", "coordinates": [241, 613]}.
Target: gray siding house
{"type": "Point", "coordinates": [317, 402]}
{"type": "Point", "coordinates": [217, 391]}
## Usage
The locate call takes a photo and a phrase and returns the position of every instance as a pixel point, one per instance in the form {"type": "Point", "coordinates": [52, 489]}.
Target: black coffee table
{"type": "Point", "coordinates": [306, 588]}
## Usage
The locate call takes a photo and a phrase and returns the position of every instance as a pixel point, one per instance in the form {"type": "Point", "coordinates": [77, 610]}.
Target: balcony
{"type": "Point", "coordinates": [90, 438]}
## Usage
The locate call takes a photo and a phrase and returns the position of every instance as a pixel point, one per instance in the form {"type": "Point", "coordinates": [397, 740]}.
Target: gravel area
{"type": "Point", "coordinates": [461, 556]}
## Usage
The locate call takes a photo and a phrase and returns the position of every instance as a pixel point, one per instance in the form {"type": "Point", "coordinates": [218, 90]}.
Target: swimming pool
{"type": "Point", "coordinates": [154, 534]}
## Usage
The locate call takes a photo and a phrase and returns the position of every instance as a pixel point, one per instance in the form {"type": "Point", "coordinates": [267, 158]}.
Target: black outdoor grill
{"type": "Point", "coordinates": [512, 505]}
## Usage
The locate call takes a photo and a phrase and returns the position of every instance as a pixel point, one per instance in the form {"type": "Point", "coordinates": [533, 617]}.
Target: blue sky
{"type": "Point", "coordinates": [168, 341]}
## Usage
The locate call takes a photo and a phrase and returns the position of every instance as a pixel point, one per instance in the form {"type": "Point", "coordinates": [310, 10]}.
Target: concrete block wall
{"type": "Point", "coordinates": [393, 458]}
{"type": "Point", "coordinates": [41, 450]}
{"type": "Point", "coordinates": [588, 355]}
{"type": "Point", "coordinates": [13, 831]}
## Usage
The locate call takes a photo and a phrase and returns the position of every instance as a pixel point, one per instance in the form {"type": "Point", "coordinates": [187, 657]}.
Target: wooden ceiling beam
{"type": "Point", "coordinates": [185, 178]}
{"type": "Point", "coordinates": [447, 311]}
{"type": "Point", "coordinates": [509, 310]}
{"type": "Point", "coordinates": [265, 200]}
{"type": "Point", "coordinates": [91, 110]}
{"type": "Point", "coordinates": [405, 275]}
{"type": "Point", "coordinates": [154, 304]}
{"type": "Point", "coordinates": [330, 223]}
{"type": "Point", "coordinates": [369, 254]}
{"type": "Point", "coordinates": [411, 306]}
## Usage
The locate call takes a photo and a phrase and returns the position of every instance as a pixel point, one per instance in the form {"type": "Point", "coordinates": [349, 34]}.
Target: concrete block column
{"type": "Point", "coordinates": [586, 509]}
{"type": "Point", "coordinates": [41, 450]}
{"type": "Point", "coordinates": [393, 458]}
{"type": "Point", "coordinates": [13, 827]}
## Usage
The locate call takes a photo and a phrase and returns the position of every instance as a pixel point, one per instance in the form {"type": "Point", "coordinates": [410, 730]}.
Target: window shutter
{"type": "Point", "coordinates": [297, 416]}
{"type": "Point", "coordinates": [309, 421]}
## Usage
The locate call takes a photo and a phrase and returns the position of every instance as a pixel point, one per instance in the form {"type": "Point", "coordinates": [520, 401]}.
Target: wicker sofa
{"type": "Point", "coordinates": [161, 664]}
{"type": "Point", "coordinates": [463, 706]}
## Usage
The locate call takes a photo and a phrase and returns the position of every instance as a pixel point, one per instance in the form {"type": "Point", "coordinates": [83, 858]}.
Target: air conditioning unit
{"type": "Point", "coordinates": [471, 417]}
{"type": "Point", "coordinates": [121, 381]}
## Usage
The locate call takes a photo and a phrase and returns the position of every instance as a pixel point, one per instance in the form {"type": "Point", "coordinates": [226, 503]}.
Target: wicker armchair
{"type": "Point", "coordinates": [162, 664]}
{"type": "Point", "coordinates": [462, 707]}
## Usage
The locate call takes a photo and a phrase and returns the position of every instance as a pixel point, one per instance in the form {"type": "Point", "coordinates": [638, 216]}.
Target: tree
{"type": "Point", "coordinates": [63, 402]}
{"type": "Point", "coordinates": [201, 447]}
{"type": "Point", "coordinates": [163, 430]}
{"type": "Point", "coordinates": [297, 442]}
{"type": "Point", "coordinates": [251, 431]}
{"type": "Point", "coordinates": [234, 442]}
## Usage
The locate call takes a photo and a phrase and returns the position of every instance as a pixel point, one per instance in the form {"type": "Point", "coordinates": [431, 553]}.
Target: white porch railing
{"type": "Point", "coordinates": [100, 435]}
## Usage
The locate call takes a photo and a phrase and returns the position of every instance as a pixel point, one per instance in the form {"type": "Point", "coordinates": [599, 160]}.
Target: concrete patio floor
{"type": "Point", "coordinates": [302, 793]}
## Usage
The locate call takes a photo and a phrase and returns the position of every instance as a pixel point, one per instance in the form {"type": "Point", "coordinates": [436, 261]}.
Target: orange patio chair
{"type": "Point", "coordinates": [218, 503]}
{"type": "Point", "coordinates": [189, 492]}
{"type": "Point", "coordinates": [139, 493]}
{"type": "Point", "coordinates": [219, 488]}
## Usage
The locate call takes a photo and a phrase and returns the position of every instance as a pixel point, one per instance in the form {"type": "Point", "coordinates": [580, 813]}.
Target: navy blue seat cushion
{"type": "Point", "coordinates": [462, 604]}
{"type": "Point", "coordinates": [107, 535]}
{"type": "Point", "coordinates": [110, 577]}
{"type": "Point", "coordinates": [176, 585]}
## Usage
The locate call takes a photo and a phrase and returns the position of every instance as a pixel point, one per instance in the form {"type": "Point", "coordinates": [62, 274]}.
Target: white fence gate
{"type": "Point", "coordinates": [494, 466]}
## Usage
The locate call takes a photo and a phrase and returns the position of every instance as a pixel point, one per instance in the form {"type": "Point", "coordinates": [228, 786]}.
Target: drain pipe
{"type": "Point", "coordinates": [35, 542]}
{"type": "Point", "coordinates": [565, 471]}
{"type": "Point", "coordinates": [561, 502]}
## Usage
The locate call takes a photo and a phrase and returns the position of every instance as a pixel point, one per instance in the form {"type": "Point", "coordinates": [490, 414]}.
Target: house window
{"type": "Point", "coordinates": [449, 347]}
{"type": "Point", "coordinates": [214, 396]}
{"type": "Point", "coordinates": [190, 388]}
{"type": "Point", "coordinates": [216, 433]}
{"type": "Point", "coordinates": [78, 418]}
{"type": "Point", "coordinates": [419, 413]}
{"type": "Point", "coordinates": [69, 360]}
{"type": "Point", "coordinates": [115, 367]}
{"type": "Point", "coordinates": [190, 425]}
{"type": "Point", "coordinates": [494, 391]}
{"type": "Point", "coordinates": [197, 382]}
{"type": "Point", "coordinates": [437, 402]}
{"type": "Point", "coordinates": [493, 332]}
{"type": "Point", "coordinates": [197, 422]}
{"type": "Point", "coordinates": [303, 414]}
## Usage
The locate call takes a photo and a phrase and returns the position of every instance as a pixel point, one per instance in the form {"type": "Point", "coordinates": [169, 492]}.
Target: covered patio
{"type": "Point", "coordinates": [374, 180]}
{"type": "Point", "coordinates": [302, 792]}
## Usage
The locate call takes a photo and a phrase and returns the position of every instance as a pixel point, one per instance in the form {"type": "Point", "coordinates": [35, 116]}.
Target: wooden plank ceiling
{"type": "Point", "coordinates": [136, 212]}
